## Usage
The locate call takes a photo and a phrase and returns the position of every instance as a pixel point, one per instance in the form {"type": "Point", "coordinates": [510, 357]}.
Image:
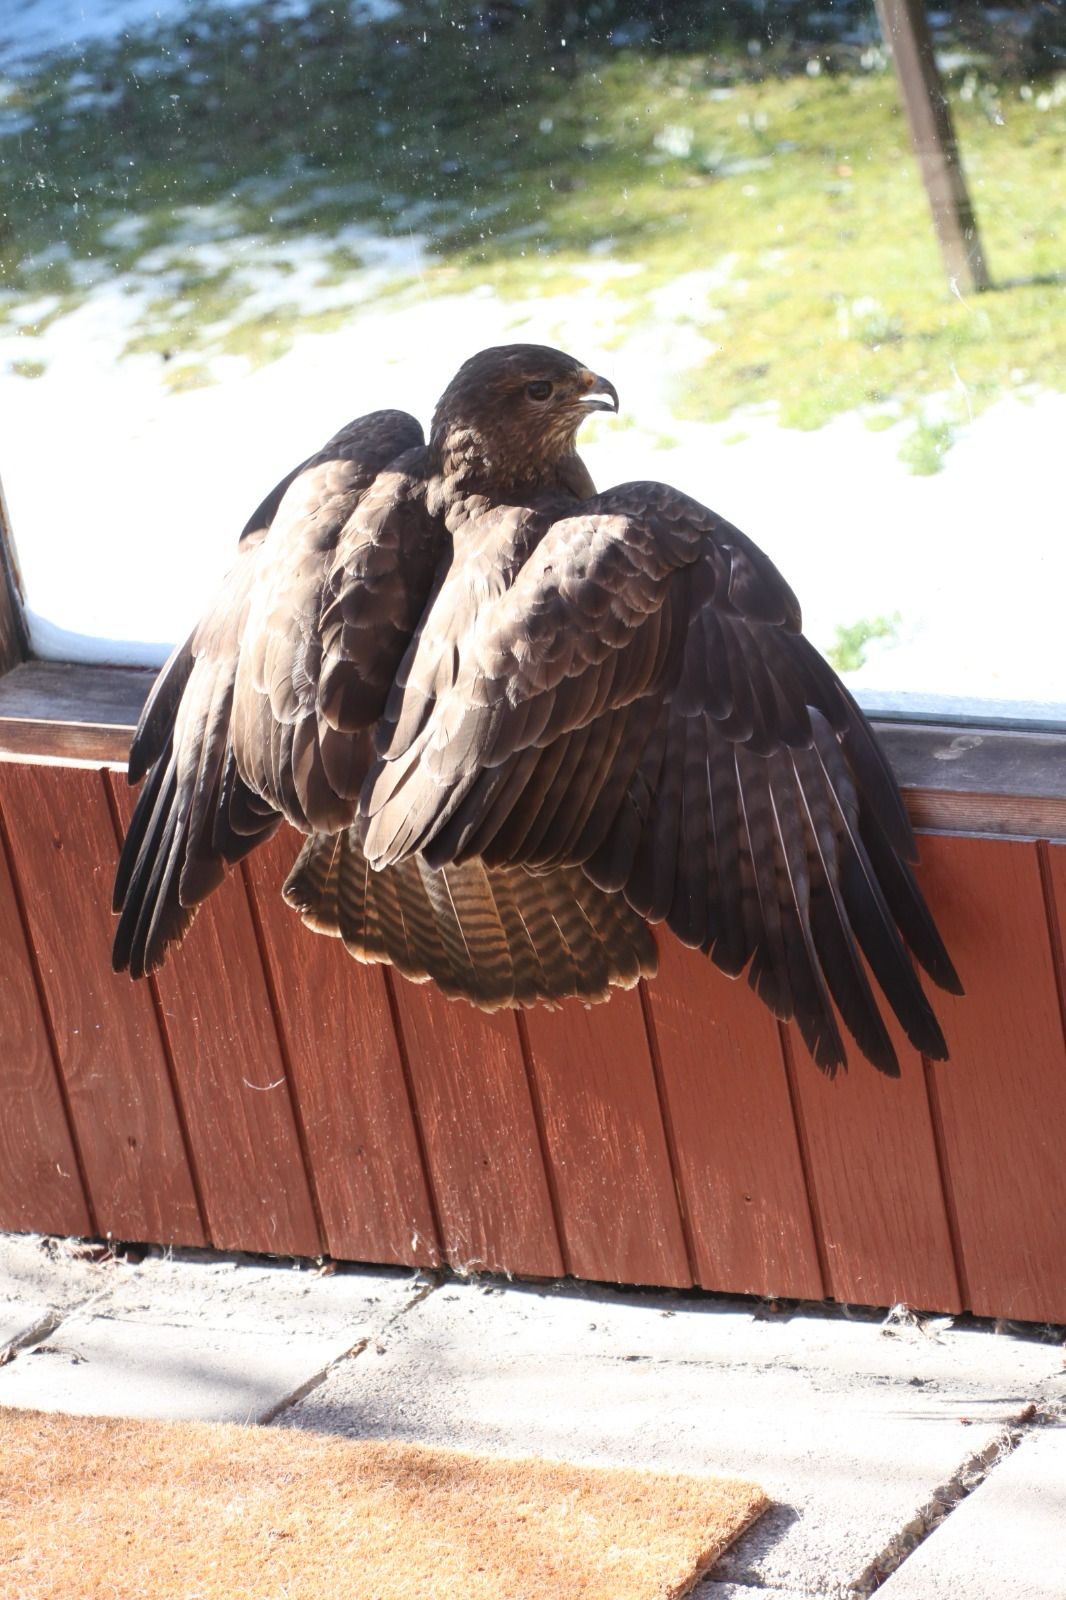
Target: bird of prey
{"type": "Point", "coordinates": [520, 723]}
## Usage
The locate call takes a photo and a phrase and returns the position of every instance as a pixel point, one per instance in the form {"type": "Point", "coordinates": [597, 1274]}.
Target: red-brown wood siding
{"type": "Point", "coordinates": [219, 1028]}
{"type": "Point", "coordinates": [1001, 1100]}
{"type": "Point", "coordinates": [485, 1163]}
{"type": "Point", "coordinates": [348, 1080]}
{"type": "Point", "coordinates": [875, 1182]}
{"type": "Point", "coordinates": [110, 1054]}
{"type": "Point", "coordinates": [265, 1092]}
{"type": "Point", "coordinates": [40, 1185]}
{"type": "Point", "coordinates": [616, 1195]}
{"type": "Point", "coordinates": [736, 1150]}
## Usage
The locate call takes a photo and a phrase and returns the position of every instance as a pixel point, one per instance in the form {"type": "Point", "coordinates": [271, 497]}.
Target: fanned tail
{"type": "Point", "coordinates": [498, 937]}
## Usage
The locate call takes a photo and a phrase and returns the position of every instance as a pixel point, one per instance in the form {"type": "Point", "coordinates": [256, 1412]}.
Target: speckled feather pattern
{"type": "Point", "coordinates": [521, 723]}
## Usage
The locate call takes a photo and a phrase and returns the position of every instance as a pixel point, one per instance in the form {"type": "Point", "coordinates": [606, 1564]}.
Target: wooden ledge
{"type": "Point", "coordinates": [54, 710]}
{"type": "Point", "coordinates": [964, 778]}
{"type": "Point", "coordinates": [956, 778]}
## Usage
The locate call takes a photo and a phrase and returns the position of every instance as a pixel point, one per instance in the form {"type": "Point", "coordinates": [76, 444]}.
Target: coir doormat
{"type": "Point", "coordinates": [122, 1510]}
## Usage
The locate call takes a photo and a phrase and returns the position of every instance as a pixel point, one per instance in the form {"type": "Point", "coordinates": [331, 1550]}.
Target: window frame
{"type": "Point", "coordinates": [957, 776]}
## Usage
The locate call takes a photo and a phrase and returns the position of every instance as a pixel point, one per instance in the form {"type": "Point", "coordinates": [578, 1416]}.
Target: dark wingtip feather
{"type": "Point", "coordinates": [886, 1062]}
{"type": "Point", "coordinates": [909, 909]}
{"type": "Point", "coordinates": [828, 1055]}
{"type": "Point", "coordinates": [155, 726]}
{"type": "Point", "coordinates": [938, 1050]}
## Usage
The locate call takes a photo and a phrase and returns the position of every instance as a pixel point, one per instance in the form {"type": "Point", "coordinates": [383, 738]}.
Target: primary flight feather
{"type": "Point", "coordinates": [519, 722]}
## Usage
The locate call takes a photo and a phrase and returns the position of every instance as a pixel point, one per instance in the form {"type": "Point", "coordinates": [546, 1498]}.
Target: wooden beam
{"type": "Point", "coordinates": [58, 710]}
{"type": "Point", "coordinates": [14, 646]}
{"type": "Point", "coordinates": [905, 26]}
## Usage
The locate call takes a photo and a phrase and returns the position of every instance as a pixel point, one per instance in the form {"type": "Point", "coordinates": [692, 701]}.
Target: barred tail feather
{"type": "Point", "coordinates": [498, 937]}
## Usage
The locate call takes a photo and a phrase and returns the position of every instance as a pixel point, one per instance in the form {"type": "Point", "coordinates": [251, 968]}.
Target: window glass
{"type": "Point", "coordinates": [228, 228]}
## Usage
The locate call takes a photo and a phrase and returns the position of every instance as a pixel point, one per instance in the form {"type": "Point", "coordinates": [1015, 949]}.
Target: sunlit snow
{"type": "Point", "coordinates": [128, 499]}
{"type": "Point", "coordinates": [30, 29]}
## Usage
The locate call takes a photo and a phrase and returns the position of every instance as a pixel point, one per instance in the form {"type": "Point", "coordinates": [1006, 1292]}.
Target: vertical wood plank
{"type": "Point", "coordinates": [1002, 1096]}
{"type": "Point", "coordinates": [110, 1053]}
{"type": "Point", "coordinates": [734, 1134]}
{"type": "Point", "coordinates": [40, 1186]}
{"type": "Point", "coordinates": [479, 1129]}
{"type": "Point", "coordinates": [231, 1076]}
{"type": "Point", "coordinates": [617, 1200]}
{"type": "Point", "coordinates": [876, 1180]}
{"type": "Point", "coordinates": [348, 1080]}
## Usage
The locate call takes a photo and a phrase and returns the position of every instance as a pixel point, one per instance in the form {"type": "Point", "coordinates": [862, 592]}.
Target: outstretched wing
{"type": "Point", "coordinates": [263, 712]}
{"type": "Point", "coordinates": [639, 700]}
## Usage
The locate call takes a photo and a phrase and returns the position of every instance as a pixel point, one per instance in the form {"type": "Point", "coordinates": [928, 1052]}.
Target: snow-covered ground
{"type": "Point", "coordinates": [126, 499]}
{"type": "Point", "coordinates": [31, 29]}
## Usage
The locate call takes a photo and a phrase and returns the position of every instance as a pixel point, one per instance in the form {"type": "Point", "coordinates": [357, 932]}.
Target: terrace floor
{"type": "Point", "coordinates": [911, 1456]}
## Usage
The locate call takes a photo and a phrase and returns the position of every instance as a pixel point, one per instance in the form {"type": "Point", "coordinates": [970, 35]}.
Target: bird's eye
{"type": "Point", "coordinates": [540, 389]}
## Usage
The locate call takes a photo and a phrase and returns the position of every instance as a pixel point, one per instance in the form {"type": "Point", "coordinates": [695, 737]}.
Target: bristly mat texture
{"type": "Point", "coordinates": [202, 1511]}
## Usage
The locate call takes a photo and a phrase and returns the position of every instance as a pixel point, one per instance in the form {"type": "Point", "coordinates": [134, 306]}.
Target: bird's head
{"type": "Point", "coordinates": [511, 414]}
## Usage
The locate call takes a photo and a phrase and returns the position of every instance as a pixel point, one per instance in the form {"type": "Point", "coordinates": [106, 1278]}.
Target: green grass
{"type": "Point", "coordinates": [797, 195]}
{"type": "Point", "coordinates": [924, 450]}
{"type": "Point", "coordinates": [847, 653]}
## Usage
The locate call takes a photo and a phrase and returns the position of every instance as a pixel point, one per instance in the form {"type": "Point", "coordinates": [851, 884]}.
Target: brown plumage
{"type": "Point", "coordinates": [519, 722]}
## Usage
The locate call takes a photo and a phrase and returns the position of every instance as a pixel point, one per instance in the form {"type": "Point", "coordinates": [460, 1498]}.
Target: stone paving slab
{"type": "Point", "coordinates": [855, 1428]}
{"type": "Point", "coordinates": [219, 1339]}
{"type": "Point", "coordinates": [18, 1321]}
{"type": "Point", "coordinates": [711, 1590]}
{"type": "Point", "coordinates": [1006, 1541]}
{"type": "Point", "coordinates": [41, 1279]}
{"type": "Point", "coordinates": [247, 1294]}
{"type": "Point", "coordinates": [97, 1367]}
{"type": "Point", "coordinates": [849, 1427]}
{"type": "Point", "coordinates": [54, 1273]}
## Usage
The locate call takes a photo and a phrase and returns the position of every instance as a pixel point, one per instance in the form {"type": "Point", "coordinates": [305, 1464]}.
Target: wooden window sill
{"type": "Point", "coordinates": [955, 778]}
{"type": "Point", "coordinates": [55, 710]}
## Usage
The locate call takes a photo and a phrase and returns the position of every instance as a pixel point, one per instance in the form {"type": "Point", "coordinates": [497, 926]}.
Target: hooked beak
{"type": "Point", "coordinates": [600, 394]}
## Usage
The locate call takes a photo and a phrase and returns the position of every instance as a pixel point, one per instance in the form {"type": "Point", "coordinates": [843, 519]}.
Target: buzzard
{"type": "Point", "coordinates": [520, 723]}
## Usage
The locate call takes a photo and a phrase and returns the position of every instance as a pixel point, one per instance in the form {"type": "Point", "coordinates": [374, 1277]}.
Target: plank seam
{"type": "Point", "coordinates": [806, 1161]}
{"type": "Point", "coordinates": [946, 1498]}
{"type": "Point", "coordinates": [666, 1117]}
{"type": "Point", "coordinates": [526, 1051]}
{"type": "Point", "coordinates": [285, 1055]}
{"type": "Point", "coordinates": [107, 779]}
{"type": "Point", "coordinates": [1054, 928]}
{"type": "Point", "coordinates": [947, 1188]}
{"type": "Point", "coordinates": [47, 1023]}
{"type": "Point", "coordinates": [416, 1115]}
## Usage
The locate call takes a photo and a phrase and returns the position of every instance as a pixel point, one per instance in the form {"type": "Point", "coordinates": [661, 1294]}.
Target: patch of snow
{"type": "Point", "coordinates": [53, 643]}
{"type": "Point", "coordinates": [28, 313]}
{"type": "Point", "coordinates": [125, 231]}
{"type": "Point", "coordinates": [91, 99]}
{"type": "Point", "coordinates": [56, 254]}
{"type": "Point", "coordinates": [33, 29]}
{"type": "Point", "coordinates": [37, 28]}
{"type": "Point", "coordinates": [603, 272]}
{"type": "Point", "coordinates": [690, 293]}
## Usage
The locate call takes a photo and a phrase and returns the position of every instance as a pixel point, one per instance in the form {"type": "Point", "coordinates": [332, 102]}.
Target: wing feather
{"type": "Point", "coordinates": [230, 735]}
{"type": "Point", "coordinates": [635, 698]}
{"type": "Point", "coordinates": [518, 734]}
